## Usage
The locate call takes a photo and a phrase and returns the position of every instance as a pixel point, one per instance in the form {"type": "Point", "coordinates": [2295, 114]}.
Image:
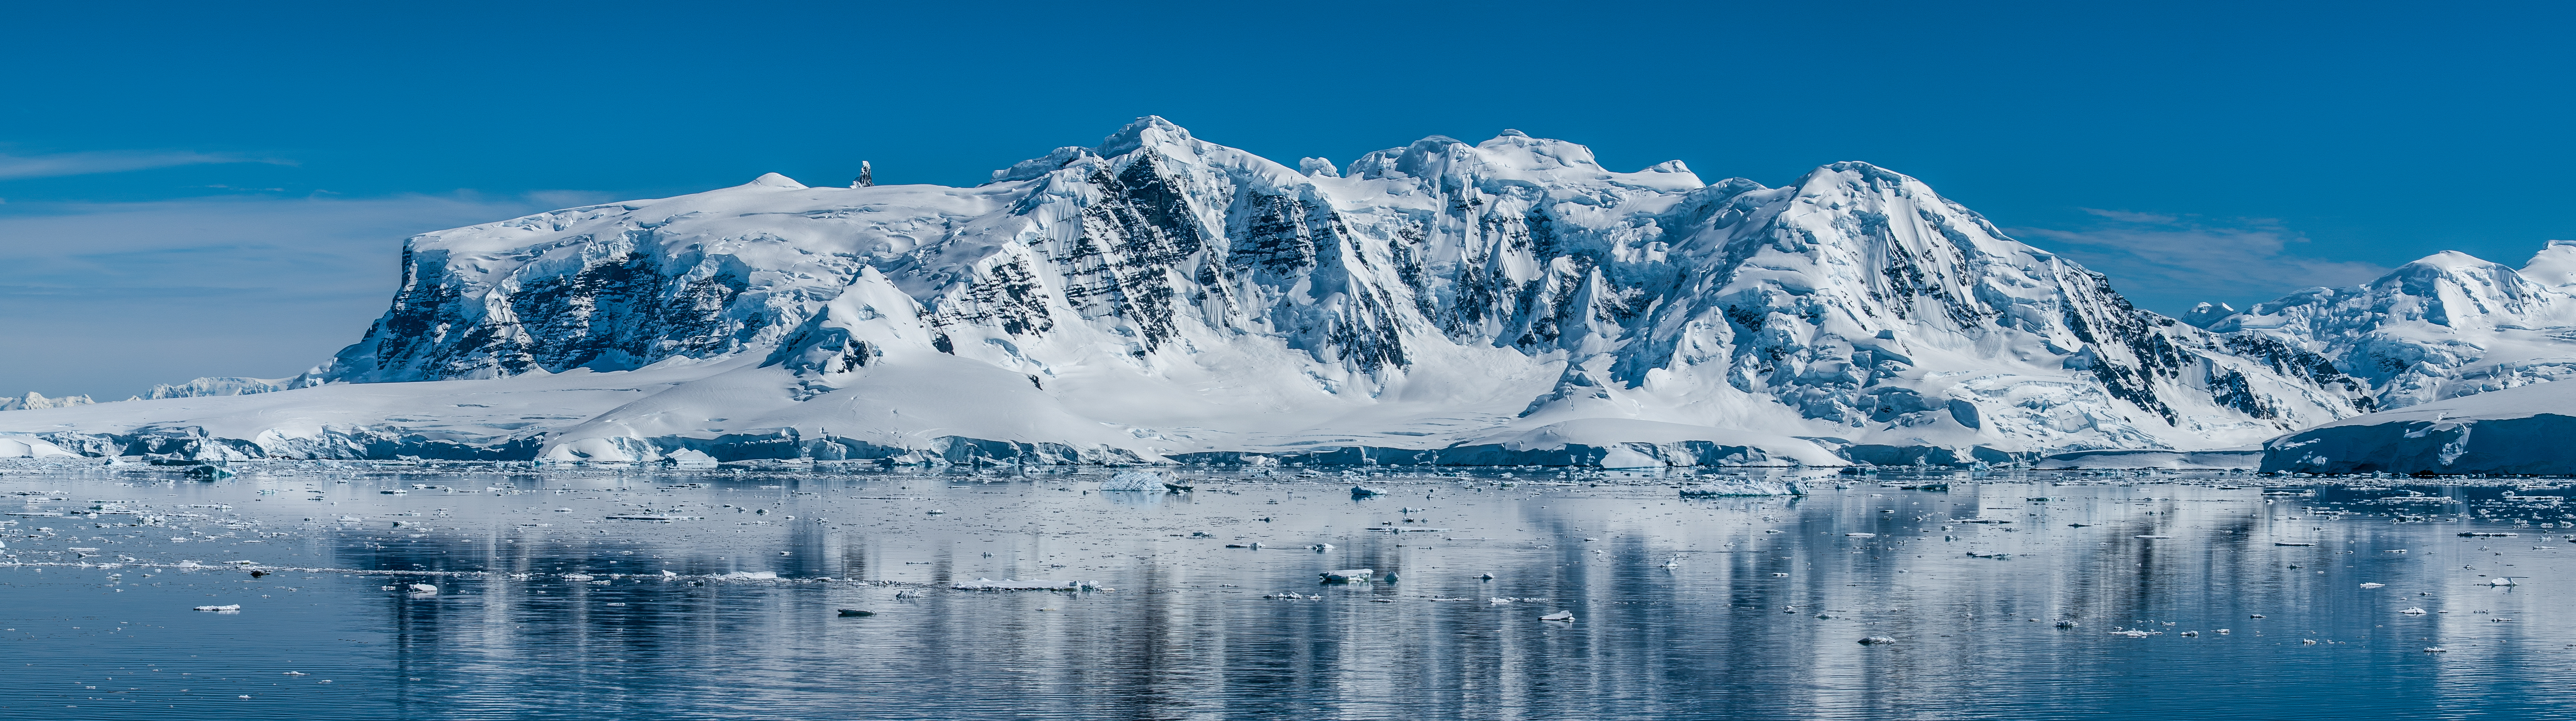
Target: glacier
{"type": "Point", "coordinates": [1159, 298]}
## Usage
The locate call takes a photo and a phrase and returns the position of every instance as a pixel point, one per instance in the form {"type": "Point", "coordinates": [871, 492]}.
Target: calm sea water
{"type": "Point", "coordinates": [1725, 608]}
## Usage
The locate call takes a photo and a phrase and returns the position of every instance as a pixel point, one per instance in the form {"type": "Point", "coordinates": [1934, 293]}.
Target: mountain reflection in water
{"type": "Point", "coordinates": [1683, 608]}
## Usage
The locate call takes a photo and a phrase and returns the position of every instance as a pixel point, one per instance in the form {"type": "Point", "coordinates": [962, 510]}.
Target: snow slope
{"type": "Point", "coordinates": [1161, 297]}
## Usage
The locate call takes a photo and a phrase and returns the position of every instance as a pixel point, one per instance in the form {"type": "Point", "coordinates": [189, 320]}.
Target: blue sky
{"type": "Point", "coordinates": [193, 189]}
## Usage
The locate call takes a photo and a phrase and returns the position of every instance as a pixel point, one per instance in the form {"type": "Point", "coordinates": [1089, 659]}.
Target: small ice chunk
{"type": "Point", "coordinates": [1567, 616]}
{"type": "Point", "coordinates": [225, 607]}
{"type": "Point", "coordinates": [2413, 611]}
{"type": "Point", "coordinates": [423, 588]}
{"type": "Point", "coordinates": [2373, 585]}
{"type": "Point", "coordinates": [1133, 481]}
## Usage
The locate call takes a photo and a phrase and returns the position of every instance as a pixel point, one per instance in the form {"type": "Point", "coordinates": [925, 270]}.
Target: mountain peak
{"type": "Point", "coordinates": [774, 180]}
{"type": "Point", "coordinates": [2207, 314]}
{"type": "Point", "coordinates": [2454, 260]}
{"type": "Point", "coordinates": [1151, 130]}
{"type": "Point", "coordinates": [2554, 265]}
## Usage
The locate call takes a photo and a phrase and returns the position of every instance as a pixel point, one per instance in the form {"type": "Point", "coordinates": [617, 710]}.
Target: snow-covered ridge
{"type": "Point", "coordinates": [34, 400]}
{"type": "Point", "coordinates": [1161, 297]}
{"type": "Point", "coordinates": [224, 386]}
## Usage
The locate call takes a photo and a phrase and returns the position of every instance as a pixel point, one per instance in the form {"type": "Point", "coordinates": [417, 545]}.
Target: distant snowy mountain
{"type": "Point", "coordinates": [1158, 297]}
{"type": "Point", "coordinates": [2446, 326]}
{"type": "Point", "coordinates": [33, 400]}
{"type": "Point", "coordinates": [221, 386]}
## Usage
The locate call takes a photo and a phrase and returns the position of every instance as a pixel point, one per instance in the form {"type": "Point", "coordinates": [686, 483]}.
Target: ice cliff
{"type": "Point", "coordinates": [2523, 431]}
{"type": "Point", "coordinates": [1159, 297]}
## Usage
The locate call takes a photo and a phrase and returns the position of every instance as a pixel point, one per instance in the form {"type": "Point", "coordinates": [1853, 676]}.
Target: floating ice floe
{"type": "Point", "coordinates": [2374, 585]}
{"type": "Point", "coordinates": [986, 584]}
{"type": "Point", "coordinates": [225, 607]}
{"type": "Point", "coordinates": [2412, 611]}
{"type": "Point", "coordinates": [1743, 487]}
{"type": "Point", "coordinates": [749, 576]}
{"type": "Point", "coordinates": [1566, 616]}
{"type": "Point", "coordinates": [423, 588]}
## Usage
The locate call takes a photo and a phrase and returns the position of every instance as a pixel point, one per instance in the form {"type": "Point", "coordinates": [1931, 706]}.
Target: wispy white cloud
{"type": "Point", "coordinates": [111, 161]}
{"type": "Point", "coordinates": [2168, 261]}
{"type": "Point", "coordinates": [109, 298]}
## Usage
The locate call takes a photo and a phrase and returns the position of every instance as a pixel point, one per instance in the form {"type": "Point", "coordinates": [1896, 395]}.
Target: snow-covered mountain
{"type": "Point", "coordinates": [1161, 297]}
{"type": "Point", "coordinates": [2445, 326]}
{"type": "Point", "coordinates": [224, 386]}
{"type": "Point", "coordinates": [34, 400]}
